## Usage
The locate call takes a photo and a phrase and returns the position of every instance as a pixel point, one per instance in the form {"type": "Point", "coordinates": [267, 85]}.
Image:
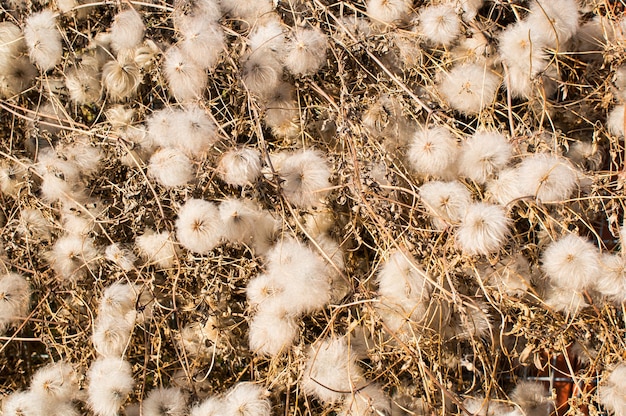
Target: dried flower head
{"type": "Point", "coordinates": [305, 177]}
{"type": "Point", "coordinates": [202, 41]}
{"type": "Point", "coordinates": [439, 24]}
{"type": "Point", "coordinates": [110, 383]}
{"type": "Point", "coordinates": [306, 51]}
{"type": "Point", "coordinates": [247, 399]}
{"type": "Point", "coordinates": [470, 87]}
{"type": "Point", "coordinates": [548, 178]}
{"type": "Point", "coordinates": [240, 166]}
{"type": "Point", "coordinates": [331, 370]}
{"type": "Point", "coordinates": [72, 256]}
{"type": "Point", "coordinates": [157, 248]}
{"type": "Point", "coordinates": [126, 30]}
{"type": "Point", "coordinates": [433, 151]}
{"type": "Point", "coordinates": [611, 390]}
{"type": "Point", "coordinates": [388, 11]}
{"type": "Point", "coordinates": [165, 402]}
{"type": "Point", "coordinates": [14, 299]}
{"type": "Point", "coordinates": [171, 168]}
{"type": "Point", "coordinates": [186, 78]}
{"type": "Point", "coordinates": [571, 262]}
{"type": "Point", "coordinates": [43, 39]}
{"type": "Point", "coordinates": [483, 155]}
{"type": "Point", "coordinates": [446, 201]}
{"type": "Point", "coordinates": [198, 227]}
{"type": "Point", "coordinates": [484, 229]}
{"type": "Point", "coordinates": [121, 77]}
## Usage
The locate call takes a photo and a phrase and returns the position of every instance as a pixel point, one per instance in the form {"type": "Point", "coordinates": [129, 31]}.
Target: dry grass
{"type": "Point", "coordinates": [374, 205]}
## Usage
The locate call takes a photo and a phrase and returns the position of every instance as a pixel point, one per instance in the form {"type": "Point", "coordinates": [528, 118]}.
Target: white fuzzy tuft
{"type": "Point", "coordinates": [440, 24]}
{"type": "Point", "coordinates": [194, 132]}
{"type": "Point", "coordinates": [272, 332]}
{"type": "Point", "coordinates": [122, 257]}
{"type": "Point", "coordinates": [198, 227]}
{"type": "Point", "coordinates": [615, 121]}
{"type": "Point", "coordinates": [56, 382]}
{"type": "Point", "coordinates": [240, 167]}
{"type": "Point", "coordinates": [368, 401]}
{"type": "Point", "coordinates": [202, 41]}
{"type": "Point", "coordinates": [126, 31]}
{"type": "Point", "coordinates": [564, 300]}
{"type": "Point", "coordinates": [404, 291]}
{"type": "Point", "coordinates": [305, 177]}
{"type": "Point", "coordinates": [43, 39]}
{"type": "Point", "coordinates": [306, 51]}
{"type": "Point", "coordinates": [483, 155]}
{"type": "Point", "coordinates": [388, 11]}
{"type": "Point", "coordinates": [247, 399]}
{"type": "Point", "coordinates": [469, 88]}
{"type": "Point", "coordinates": [520, 48]}
{"type": "Point", "coordinates": [548, 178]}
{"type": "Point", "coordinates": [331, 371]}
{"type": "Point", "coordinates": [203, 11]}
{"type": "Point", "coordinates": [269, 36]}
{"type": "Point", "coordinates": [446, 201]}
{"type": "Point", "coordinates": [111, 335]}
{"type": "Point", "coordinates": [171, 168]}
{"type": "Point", "coordinates": [554, 20]}
{"type": "Point", "coordinates": [239, 218]}
{"type": "Point", "coordinates": [261, 74]}
{"type": "Point", "coordinates": [247, 10]}
{"type": "Point", "coordinates": [121, 77]}
{"type": "Point", "coordinates": [186, 78]}
{"type": "Point", "coordinates": [14, 299]}
{"type": "Point", "coordinates": [165, 401]}
{"type": "Point", "coordinates": [505, 188]}
{"type": "Point", "coordinates": [72, 256]}
{"type": "Point", "coordinates": [611, 281]}
{"type": "Point", "coordinates": [83, 85]}
{"type": "Point", "coordinates": [533, 398]}
{"type": "Point", "coordinates": [433, 151]}
{"type": "Point", "coordinates": [484, 229]}
{"type": "Point", "coordinates": [210, 407]}
{"type": "Point", "coordinates": [611, 390]}
{"type": "Point", "coordinates": [571, 262]}
{"type": "Point", "coordinates": [157, 248]}
{"type": "Point", "coordinates": [110, 383]}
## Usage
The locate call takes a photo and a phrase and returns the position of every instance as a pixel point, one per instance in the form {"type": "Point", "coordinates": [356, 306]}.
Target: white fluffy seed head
{"type": "Point", "coordinates": [240, 166]}
{"type": "Point", "coordinates": [470, 87]}
{"type": "Point", "coordinates": [121, 77]}
{"type": "Point", "coordinates": [247, 10]}
{"type": "Point", "coordinates": [126, 30]}
{"type": "Point", "coordinates": [203, 11]}
{"type": "Point", "coordinates": [484, 229]}
{"type": "Point", "coordinates": [12, 42]}
{"type": "Point", "coordinates": [14, 299]}
{"type": "Point", "coordinates": [171, 168]}
{"type": "Point", "coordinates": [306, 51]}
{"type": "Point", "coordinates": [388, 11]}
{"type": "Point", "coordinates": [157, 248]}
{"type": "Point", "coordinates": [611, 281]}
{"type": "Point", "coordinates": [194, 131]}
{"type": "Point", "coordinates": [446, 201]}
{"type": "Point", "coordinates": [331, 370]}
{"type": "Point", "coordinates": [433, 151]}
{"type": "Point", "coordinates": [546, 177]}
{"type": "Point", "coordinates": [72, 256]}
{"type": "Point", "coordinates": [611, 390]}
{"type": "Point", "coordinates": [483, 155]}
{"type": "Point", "coordinates": [247, 399]}
{"type": "Point", "coordinates": [202, 41]}
{"type": "Point", "coordinates": [24, 403]}
{"type": "Point", "coordinates": [198, 227]}
{"type": "Point", "coordinates": [122, 257]}
{"type": "Point", "coordinates": [83, 85]}
{"type": "Point", "coordinates": [571, 262]}
{"type": "Point", "coordinates": [186, 78]}
{"type": "Point", "coordinates": [368, 401]}
{"type": "Point", "coordinates": [303, 274]}
{"type": "Point", "coordinates": [165, 401]}
{"type": "Point", "coordinates": [110, 383]}
{"type": "Point", "coordinates": [402, 279]}
{"type": "Point", "coordinates": [272, 331]}
{"type": "Point", "coordinates": [57, 382]}
{"type": "Point", "coordinates": [111, 335]}
{"type": "Point", "coordinates": [615, 121]}
{"type": "Point", "coordinates": [555, 20]}
{"type": "Point", "coordinates": [439, 24]}
{"type": "Point", "coordinates": [268, 37]}
{"type": "Point", "coordinates": [505, 188]}
{"type": "Point", "coordinates": [305, 178]}
{"type": "Point", "coordinates": [239, 218]}
{"type": "Point", "coordinates": [520, 49]}
{"type": "Point", "coordinates": [531, 397]}
{"type": "Point", "coordinates": [566, 301]}
{"type": "Point", "coordinates": [43, 39]}
{"type": "Point", "coordinates": [261, 74]}
{"type": "Point", "coordinates": [209, 407]}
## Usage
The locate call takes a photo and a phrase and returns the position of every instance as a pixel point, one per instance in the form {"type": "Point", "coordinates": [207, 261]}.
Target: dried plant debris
{"type": "Point", "coordinates": [256, 207]}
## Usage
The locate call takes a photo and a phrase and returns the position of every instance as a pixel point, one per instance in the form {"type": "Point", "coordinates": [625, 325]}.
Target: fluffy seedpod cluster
{"type": "Point", "coordinates": [257, 207]}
